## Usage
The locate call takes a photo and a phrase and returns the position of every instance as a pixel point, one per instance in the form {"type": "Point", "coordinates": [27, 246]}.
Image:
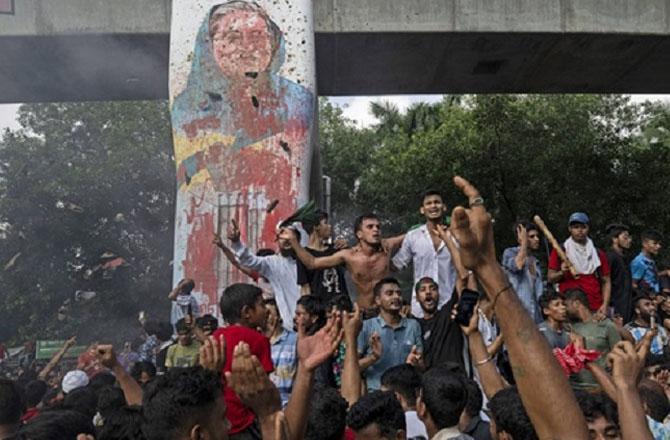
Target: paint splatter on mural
{"type": "Point", "coordinates": [242, 128]}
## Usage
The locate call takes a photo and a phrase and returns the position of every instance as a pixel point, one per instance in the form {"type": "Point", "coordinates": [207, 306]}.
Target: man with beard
{"type": "Point", "coordinates": [428, 252]}
{"type": "Point", "coordinates": [442, 337]}
{"type": "Point", "coordinates": [645, 308]}
{"type": "Point", "coordinates": [598, 335]}
{"type": "Point", "coordinates": [590, 263]}
{"type": "Point", "coordinates": [368, 261]}
{"type": "Point", "coordinates": [279, 269]}
{"type": "Point", "coordinates": [622, 288]}
{"type": "Point", "coordinates": [389, 339]}
{"type": "Point", "coordinates": [553, 308]}
{"type": "Point", "coordinates": [523, 269]}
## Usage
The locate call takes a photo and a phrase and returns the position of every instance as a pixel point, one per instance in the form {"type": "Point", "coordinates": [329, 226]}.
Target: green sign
{"type": "Point", "coordinates": [45, 350]}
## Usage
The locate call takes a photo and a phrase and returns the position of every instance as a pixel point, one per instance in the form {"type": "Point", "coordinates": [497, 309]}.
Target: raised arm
{"type": "Point", "coordinates": [177, 289]}
{"type": "Point", "coordinates": [543, 388]}
{"type": "Point", "coordinates": [482, 360]}
{"type": "Point", "coordinates": [56, 358]}
{"type": "Point", "coordinates": [310, 261]}
{"type": "Point", "coordinates": [131, 389]}
{"type": "Point", "coordinates": [392, 244]}
{"type": "Point", "coordinates": [244, 256]}
{"type": "Point", "coordinates": [626, 368]}
{"type": "Point", "coordinates": [230, 256]}
{"type": "Point", "coordinates": [312, 352]}
{"type": "Point", "coordinates": [351, 372]}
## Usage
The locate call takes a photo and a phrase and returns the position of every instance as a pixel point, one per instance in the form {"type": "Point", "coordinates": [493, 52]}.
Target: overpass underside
{"type": "Point", "coordinates": [135, 67]}
{"type": "Point", "coordinates": [74, 50]}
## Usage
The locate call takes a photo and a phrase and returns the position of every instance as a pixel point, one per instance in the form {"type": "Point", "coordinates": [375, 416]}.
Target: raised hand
{"type": "Point", "coordinates": [233, 231]}
{"type": "Point", "coordinates": [105, 354]}
{"type": "Point", "coordinates": [340, 243]}
{"type": "Point", "coordinates": [625, 364]}
{"type": "Point", "coordinates": [71, 342]}
{"type": "Point", "coordinates": [251, 383]}
{"type": "Point", "coordinates": [522, 235]}
{"type": "Point", "coordinates": [212, 354]}
{"type": "Point", "coordinates": [472, 229]}
{"type": "Point", "coordinates": [217, 241]}
{"type": "Point", "coordinates": [316, 349]}
{"type": "Point", "coordinates": [289, 235]}
{"type": "Point", "coordinates": [352, 323]}
{"type": "Point", "coordinates": [375, 343]}
{"type": "Point", "coordinates": [473, 325]}
{"type": "Point", "coordinates": [414, 357]}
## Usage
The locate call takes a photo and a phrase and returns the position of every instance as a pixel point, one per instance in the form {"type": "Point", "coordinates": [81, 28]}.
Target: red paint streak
{"type": "Point", "coordinates": [256, 121]}
{"type": "Point", "coordinates": [200, 261]}
{"type": "Point", "coordinates": [209, 123]}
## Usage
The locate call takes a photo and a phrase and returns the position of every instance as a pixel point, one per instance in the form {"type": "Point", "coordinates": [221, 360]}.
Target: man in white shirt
{"type": "Point", "coordinates": [279, 269]}
{"type": "Point", "coordinates": [427, 252]}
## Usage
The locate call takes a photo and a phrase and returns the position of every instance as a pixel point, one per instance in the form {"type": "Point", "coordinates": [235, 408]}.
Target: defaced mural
{"type": "Point", "coordinates": [242, 123]}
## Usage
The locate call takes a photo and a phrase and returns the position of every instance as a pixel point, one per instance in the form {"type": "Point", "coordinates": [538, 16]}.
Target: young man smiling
{"type": "Point", "coordinates": [427, 252]}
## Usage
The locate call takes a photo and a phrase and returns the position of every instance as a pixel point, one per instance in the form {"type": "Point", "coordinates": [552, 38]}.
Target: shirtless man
{"type": "Point", "coordinates": [368, 261]}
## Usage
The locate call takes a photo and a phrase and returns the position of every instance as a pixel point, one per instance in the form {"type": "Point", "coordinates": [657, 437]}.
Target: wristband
{"type": "Point", "coordinates": [500, 292]}
{"type": "Point", "coordinates": [484, 361]}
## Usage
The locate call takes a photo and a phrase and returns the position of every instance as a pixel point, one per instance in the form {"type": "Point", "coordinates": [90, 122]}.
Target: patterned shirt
{"type": "Point", "coordinates": [660, 431]}
{"type": "Point", "coordinates": [147, 350]}
{"type": "Point", "coordinates": [643, 271]}
{"type": "Point", "coordinates": [657, 344]}
{"type": "Point", "coordinates": [285, 360]}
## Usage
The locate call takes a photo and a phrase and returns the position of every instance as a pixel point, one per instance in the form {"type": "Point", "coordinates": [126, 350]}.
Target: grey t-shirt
{"type": "Point", "coordinates": [556, 339]}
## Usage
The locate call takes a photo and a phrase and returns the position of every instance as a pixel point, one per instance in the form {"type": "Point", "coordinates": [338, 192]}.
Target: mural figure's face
{"type": "Point", "coordinates": [241, 43]}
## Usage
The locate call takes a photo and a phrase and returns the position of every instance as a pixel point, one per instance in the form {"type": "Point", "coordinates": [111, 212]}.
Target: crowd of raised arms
{"type": "Point", "coordinates": [485, 349]}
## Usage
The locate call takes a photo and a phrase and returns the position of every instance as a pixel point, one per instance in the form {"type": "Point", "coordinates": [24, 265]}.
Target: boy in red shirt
{"type": "Point", "coordinates": [243, 309]}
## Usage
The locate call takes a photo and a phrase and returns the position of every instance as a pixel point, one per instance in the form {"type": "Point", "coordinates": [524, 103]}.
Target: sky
{"type": "Point", "coordinates": [355, 107]}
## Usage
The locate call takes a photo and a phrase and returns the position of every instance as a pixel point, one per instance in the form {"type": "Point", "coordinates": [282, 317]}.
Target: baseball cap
{"type": "Point", "coordinates": [74, 379]}
{"type": "Point", "coordinates": [578, 217]}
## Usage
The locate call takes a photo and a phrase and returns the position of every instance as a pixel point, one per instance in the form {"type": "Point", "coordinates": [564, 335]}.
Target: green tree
{"type": "Point", "coordinates": [82, 184]}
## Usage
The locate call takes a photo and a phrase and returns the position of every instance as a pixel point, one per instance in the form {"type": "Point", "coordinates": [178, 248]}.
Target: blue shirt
{"type": "Point", "coordinates": [528, 287]}
{"type": "Point", "coordinates": [285, 360]}
{"type": "Point", "coordinates": [657, 344]}
{"type": "Point", "coordinates": [396, 345]}
{"type": "Point", "coordinates": [643, 269]}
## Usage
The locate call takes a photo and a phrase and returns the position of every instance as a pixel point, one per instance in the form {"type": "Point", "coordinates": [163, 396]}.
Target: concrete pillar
{"type": "Point", "coordinates": [243, 100]}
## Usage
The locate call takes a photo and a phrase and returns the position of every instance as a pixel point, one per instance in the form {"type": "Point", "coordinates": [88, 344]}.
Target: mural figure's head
{"type": "Point", "coordinates": [243, 37]}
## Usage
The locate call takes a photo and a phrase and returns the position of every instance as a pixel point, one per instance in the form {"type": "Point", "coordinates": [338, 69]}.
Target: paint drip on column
{"type": "Point", "coordinates": [242, 100]}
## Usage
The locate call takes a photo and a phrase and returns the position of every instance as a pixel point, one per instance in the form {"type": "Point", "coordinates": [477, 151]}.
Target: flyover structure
{"type": "Point", "coordinates": [75, 50]}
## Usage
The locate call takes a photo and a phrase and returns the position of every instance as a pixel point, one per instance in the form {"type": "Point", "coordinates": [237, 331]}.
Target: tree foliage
{"type": "Point", "coordinates": [85, 187]}
{"type": "Point", "coordinates": [529, 154]}
{"type": "Point", "coordinates": [84, 183]}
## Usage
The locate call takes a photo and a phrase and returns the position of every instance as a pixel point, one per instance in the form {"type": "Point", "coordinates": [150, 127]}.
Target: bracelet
{"type": "Point", "coordinates": [484, 361]}
{"type": "Point", "coordinates": [500, 292]}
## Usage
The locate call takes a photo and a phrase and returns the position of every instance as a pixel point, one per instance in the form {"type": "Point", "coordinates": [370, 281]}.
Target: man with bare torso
{"type": "Point", "coordinates": [368, 261]}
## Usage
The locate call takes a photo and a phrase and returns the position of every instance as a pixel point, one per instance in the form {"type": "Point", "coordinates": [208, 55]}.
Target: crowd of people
{"type": "Point", "coordinates": [319, 344]}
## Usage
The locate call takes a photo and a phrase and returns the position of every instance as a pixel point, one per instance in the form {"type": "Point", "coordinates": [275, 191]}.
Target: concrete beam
{"type": "Point", "coordinates": [100, 50]}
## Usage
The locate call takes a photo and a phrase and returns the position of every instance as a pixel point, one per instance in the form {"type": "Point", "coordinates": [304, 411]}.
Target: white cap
{"type": "Point", "coordinates": [74, 379]}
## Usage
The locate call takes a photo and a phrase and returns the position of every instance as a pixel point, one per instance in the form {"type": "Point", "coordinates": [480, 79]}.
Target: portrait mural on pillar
{"type": "Point", "coordinates": [242, 108]}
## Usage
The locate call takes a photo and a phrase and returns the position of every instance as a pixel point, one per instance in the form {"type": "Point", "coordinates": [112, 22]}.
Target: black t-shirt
{"type": "Point", "coordinates": [622, 288]}
{"type": "Point", "coordinates": [442, 337]}
{"type": "Point", "coordinates": [324, 283]}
